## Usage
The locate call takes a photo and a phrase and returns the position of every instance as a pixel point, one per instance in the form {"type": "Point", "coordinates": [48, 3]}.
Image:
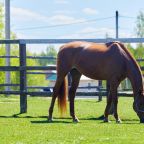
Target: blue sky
{"type": "Point", "coordinates": [33, 19]}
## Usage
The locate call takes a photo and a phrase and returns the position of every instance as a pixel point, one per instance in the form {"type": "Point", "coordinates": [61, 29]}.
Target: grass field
{"type": "Point", "coordinates": [33, 128]}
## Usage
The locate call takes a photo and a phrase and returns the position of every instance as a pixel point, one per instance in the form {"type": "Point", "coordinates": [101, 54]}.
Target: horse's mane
{"type": "Point", "coordinates": [126, 51]}
{"type": "Point", "coordinates": [132, 58]}
{"type": "Point", "coordinates": [129, 54]}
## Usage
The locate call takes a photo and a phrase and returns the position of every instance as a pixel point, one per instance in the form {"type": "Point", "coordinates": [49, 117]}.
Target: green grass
{"type": "Point", "coordinates": [33, 128]}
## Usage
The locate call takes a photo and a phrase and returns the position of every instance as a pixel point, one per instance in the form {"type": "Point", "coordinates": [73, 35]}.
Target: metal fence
{"type": "Point", "coordinates": [23, 68]}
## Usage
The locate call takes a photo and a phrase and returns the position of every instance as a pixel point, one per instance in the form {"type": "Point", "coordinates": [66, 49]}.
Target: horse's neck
{"type": "Point", "coordinates": [135, 76]}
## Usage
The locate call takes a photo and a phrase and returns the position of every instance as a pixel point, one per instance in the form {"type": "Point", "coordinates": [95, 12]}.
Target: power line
{"type": "Point", "coordinates": [128, 17]}
{"type": "Point", "coordinates": [61, 25]}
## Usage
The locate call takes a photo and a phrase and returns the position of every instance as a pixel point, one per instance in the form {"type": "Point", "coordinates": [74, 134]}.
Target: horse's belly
{"type": "Point", "coordinates": [94, 72]}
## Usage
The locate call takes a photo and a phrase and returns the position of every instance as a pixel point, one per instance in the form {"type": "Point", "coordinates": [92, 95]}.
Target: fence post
{"type": "Point", "coordinates": [23, 95]}
{"type": "Point", "coordinates": [100, 90]}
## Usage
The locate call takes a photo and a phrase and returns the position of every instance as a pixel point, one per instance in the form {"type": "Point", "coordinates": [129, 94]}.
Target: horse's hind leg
{"type": "Point", "coordinates": [54, 95]}
{"type": "Point", "coordinates": [75, 74]}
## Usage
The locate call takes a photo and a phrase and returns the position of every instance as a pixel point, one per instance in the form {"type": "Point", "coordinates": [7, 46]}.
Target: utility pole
{"type": "Point", "coordinates": [117, 32]}
{"type": "Point", "coordinates": [7, 36]}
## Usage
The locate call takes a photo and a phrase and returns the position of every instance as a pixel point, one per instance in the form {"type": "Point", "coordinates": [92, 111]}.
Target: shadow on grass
{"type": "Point", "coordinates": [94, 118]}
{"type": "Point", "coordinates": [56, 119]}
{"type": "Point", "coordinates": [63, 120]}
{"type": "Point", "coordinates": [124, 121]}
{"type": "Point", "coordinates": [20, 116]}
{"type": "Point", "coordinates": [53, 122]}
{"type": "Point", "coordinates": [130, 121]}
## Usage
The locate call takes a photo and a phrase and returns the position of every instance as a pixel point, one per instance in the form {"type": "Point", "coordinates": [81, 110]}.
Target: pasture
{"type": "Point", "coordinates": [33, 128]}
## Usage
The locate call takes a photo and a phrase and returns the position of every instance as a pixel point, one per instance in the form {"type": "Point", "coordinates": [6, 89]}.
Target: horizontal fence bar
{"type": "Point", "coordinates": [40, 93]}
{"type": "Point", "coordinates": [32, 57]}
{"type": "Point", "coordinates": [9, 68]}
{"type": "Point", "coordinates": [41, 73]}
{"type": "Point", "coordinates": [10, 92]}
{"type": "Point", "coordinates": [9, 41]}
{"type": "Point", "coordinates": [39, 87]}
{"type": "Point", "coordinates": [60, 41]}
{"type": "Point", "coordinates": [40, 68]}
{"type": "Point", "coordinates": [9, 56]}
{"type": "Point", "coordinates": [41, 57]}
{"type": "Point", "coordinates": [17, 68]}
{"type": "Point", "coordinates": [86, 87]}
{"type": "Point", "coordinates": [9, 84]}
{"type": "Point", "coordinates": [48, 93]}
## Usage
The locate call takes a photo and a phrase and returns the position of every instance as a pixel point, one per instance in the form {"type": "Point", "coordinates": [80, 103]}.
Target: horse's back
{"type": "Point", "coordinates": [83, 45]}
{"type": "Point", "coordinates": [97, 61]}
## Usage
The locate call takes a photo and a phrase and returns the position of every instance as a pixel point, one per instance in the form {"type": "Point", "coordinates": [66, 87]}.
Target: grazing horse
{"type": "Point", "coordinates": [111, 61]}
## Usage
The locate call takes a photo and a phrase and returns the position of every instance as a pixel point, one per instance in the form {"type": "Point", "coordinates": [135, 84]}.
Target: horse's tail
{"type": "Point", "coordinates": [62, 96]}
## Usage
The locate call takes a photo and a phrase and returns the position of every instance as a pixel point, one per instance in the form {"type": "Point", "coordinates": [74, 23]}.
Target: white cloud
{"type": "Point", "coordinates": [63, 19]}
{"type": "Point", "coordinates": [64, 12]}
{"type": "Point", "coordinates": [26, 15]}
{"type": "Point", "coordinates": [90, 11]}
{"type": "Point", "coordinates": [61, 1]}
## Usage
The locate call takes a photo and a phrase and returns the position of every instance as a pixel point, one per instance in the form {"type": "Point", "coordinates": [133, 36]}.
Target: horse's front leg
{"type": "Point", "coordinates": [108, 106]}
{"type": "Point", "coordinates": [118, 120]}
{"type": "Point", "coordinates": [113, 90]}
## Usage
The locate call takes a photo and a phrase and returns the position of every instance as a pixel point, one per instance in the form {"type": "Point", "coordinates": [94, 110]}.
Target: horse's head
{"type": "Point", "coordinates": [138, 105]}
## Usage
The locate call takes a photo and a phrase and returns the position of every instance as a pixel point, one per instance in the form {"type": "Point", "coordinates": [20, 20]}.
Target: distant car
{"type": "Point", "coordinates": [47, 89]}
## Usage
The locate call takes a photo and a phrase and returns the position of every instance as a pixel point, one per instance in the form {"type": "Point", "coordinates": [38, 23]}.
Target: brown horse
{"type": "Point", "coordinates": [111, 61]}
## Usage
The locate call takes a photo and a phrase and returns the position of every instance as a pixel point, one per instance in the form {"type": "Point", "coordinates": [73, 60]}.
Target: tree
{"type": "Point", "coordinates": [1, 22]}
{"type": "Point", "coordinates": [140, 25]}
{"type": "Point", "coordinates": [50, 52]}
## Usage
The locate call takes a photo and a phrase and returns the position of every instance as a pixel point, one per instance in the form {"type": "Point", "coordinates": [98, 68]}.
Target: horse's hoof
{"type": "Point", "coordinates": [106, 121]}
{"type": "Point", "coordinates": [75, 120]}
{"type": "Point", "coordinates": [118, 121]}
{"type": "Point", "coordinates": [50, 119]}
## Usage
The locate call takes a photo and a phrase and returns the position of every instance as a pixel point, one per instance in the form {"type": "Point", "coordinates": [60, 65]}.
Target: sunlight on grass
{"type": "Point", "coordinates": [33, 128]}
